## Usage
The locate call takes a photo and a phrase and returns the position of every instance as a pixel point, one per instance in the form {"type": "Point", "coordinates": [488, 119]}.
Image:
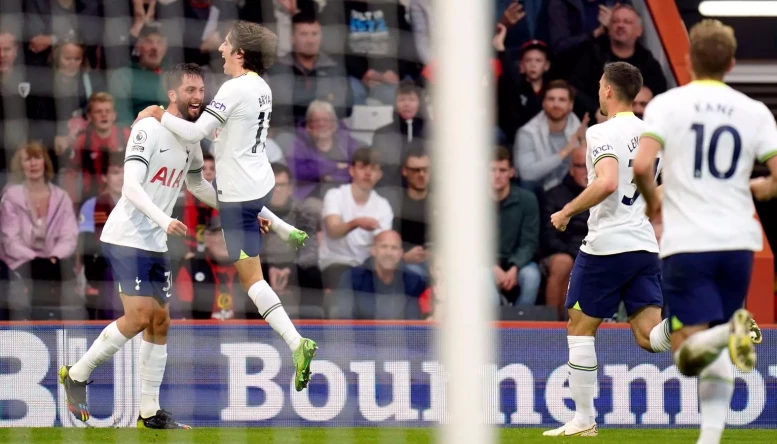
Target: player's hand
{"type": "Point", "coordinates": [415, 255]}
{"type": "Point", "coordinates": [559, 220]}
{"type": "Point", "coordinates": [176, 228]}
{"type": "Point", "coordinates": [264, 224]}
{"type": "Point", "coordinates": [498, 42]}
{"type": "Point", "coordinates": [154, 111]}
{"type": "Point", "coordinates": [762, 187]}
{"type": "Point", "coordinates": [367, 223]}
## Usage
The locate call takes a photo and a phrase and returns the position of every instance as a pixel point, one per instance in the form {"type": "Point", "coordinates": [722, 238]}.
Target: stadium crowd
{"type": "Point", "coordinates": [347, 144]}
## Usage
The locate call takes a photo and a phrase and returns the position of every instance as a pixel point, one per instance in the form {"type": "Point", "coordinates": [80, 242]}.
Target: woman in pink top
{"type": "Point", "coordinates": [38, 231]}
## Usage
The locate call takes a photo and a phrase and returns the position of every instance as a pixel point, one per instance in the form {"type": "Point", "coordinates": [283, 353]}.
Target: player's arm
{"type": "Point", "coordinates": [605, 163]}
{"type": "Point", "coordinates": [196, 183]}
{"type": "Point", "coordinates": [142, 144]}
{"type": "Point", "coordinates": [765, 188]}
{"type": "Point", "coordinates": [650, 145]}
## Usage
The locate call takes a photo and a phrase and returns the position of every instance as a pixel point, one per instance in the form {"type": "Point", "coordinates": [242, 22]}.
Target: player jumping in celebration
{"type": "Point", "coordinates": [134, 242]}
{"type": "Point", "coordinates": [711, 136]}
{"type": "Point", "coordinates": [618, 260]}
{"type": "Point", "coordinates": [241, 111]}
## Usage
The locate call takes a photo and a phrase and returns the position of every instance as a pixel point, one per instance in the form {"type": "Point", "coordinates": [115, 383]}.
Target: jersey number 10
{"type": "Point", "coordinates": [699, 156]}
{"type": "Point", "coordinates": [261, 133]}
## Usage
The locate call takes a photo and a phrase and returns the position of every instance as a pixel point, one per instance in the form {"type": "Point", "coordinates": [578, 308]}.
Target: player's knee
{"type": "Point", "coordinates": [643, 340]}
{"type": "Point", "coordinates": [561, 265]}
{"type": "Point", "coordinates": [140, 317]}
{"type": "Point", "coordinates": [161, 323]}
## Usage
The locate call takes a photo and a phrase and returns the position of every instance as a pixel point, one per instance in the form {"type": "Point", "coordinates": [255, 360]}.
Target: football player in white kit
{"type": "Point", "coordinates": [134, 241]}
{"type": "Point", "coordinates": [710, 135]}
{"type": "Point", "coordinates": [618, 260]}
{"type": "Point", "coordinates": [241, 112]}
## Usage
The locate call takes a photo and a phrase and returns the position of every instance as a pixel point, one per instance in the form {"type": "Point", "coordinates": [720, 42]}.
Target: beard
{"type": "Point", "coordinates": [187, 113]}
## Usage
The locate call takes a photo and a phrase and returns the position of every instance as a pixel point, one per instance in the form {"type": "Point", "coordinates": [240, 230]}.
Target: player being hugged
{"type": "Point", "coordinates": [711, 136]}
{"type": "Point", "coordinates": [134, 242]}
{"type": "Point", "coordinates": [618, 260]}
{"type": "Point", "coordinates": [241, 113]}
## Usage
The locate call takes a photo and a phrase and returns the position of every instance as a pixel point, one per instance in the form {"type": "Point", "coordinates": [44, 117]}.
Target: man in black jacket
{"type": "Point", "coordinates": [562, 246]}
{"type": "Point", "coordinates": [619, 45]}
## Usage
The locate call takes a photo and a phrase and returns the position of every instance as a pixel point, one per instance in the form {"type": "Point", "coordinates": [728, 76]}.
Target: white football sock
{"type": "Point", "coordinates": [153, 359]}
{"type": "Point", "coordinates": [716, 386]}
{"type": "Point", "coordinates": [715, 337]}
{"type": "Point", "coordinates": [660, 337]}
{"type": "Point", "coordinates": [105, 346]}
{"type": "Point", "coordinates": [272, 311]}
{"type": "Point", "coordinates": [582, 378]}
{"type": "Point", "coordinates": [278, 225]}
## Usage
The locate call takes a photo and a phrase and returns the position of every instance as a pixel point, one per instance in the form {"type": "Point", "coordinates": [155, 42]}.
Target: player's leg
{"type": "Point", "coordinates": [703, 290]}
{"type": "Point", "coordinates": [244, 242]}
{"type": "Point", "coordinates": [294, 237]}
{"type": "Point", "coordinates": [643, 300]}
{"type": "Point", "coordinates": [593, 294]}
{"type": "Point", "coordinates": [130, 269]}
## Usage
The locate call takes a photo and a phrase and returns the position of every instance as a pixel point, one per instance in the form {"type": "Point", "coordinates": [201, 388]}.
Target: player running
{"type": "Point", "coordinates": [618, 260]}
{"type": "Point", "coordinates": [241, 112]}
{"type": "Point", "coordinates": [134, 242]}
{"type": "Point", "coordinates": [711, 136]}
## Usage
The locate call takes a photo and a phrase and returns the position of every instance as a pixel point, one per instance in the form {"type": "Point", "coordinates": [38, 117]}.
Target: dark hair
{"type": "Point", "coordinates": [625, 79]}
{"type": "Point", "coordinates": [306, 16]}
{"type": "Point", "coordinates": [365, 156]}
{"type": "Point", "coordinates": [559, 84]}
{"type": "Point", "coordinates": [279, 168]}
{"type": "Point", "coordinates": [408, 86]}
{"type": "Point", "coordinates": [258, 44]}
{"type": "Point", "coordinates": [416, 149]}
{"type": "Point", "coordinates": [502, 154]}
{"type": "Point", "coordinates": [115, 159]}
{"type": "Point", "coordinates": [208, 156]}
{"type": "Point", "coordinates": [174, 76]}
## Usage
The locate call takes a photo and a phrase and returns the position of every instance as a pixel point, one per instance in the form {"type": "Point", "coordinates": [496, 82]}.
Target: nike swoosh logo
{"type": "Point", "coordinates": [162, 151]}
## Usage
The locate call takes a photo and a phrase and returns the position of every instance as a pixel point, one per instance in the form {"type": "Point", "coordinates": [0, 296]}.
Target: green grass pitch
{"type": "Point", "coordinates": [355, 436]}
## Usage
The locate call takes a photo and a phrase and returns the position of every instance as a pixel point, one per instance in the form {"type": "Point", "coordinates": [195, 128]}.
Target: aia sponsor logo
{"type": "Point", "coordinates": [168, 178]}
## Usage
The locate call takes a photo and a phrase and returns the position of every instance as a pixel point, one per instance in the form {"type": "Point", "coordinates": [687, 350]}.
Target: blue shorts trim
{"type": "Point", "coordinates": [706, 288]}
{"type": "Point", "coordinates": [241, 227]}
{"type": "Point", "coordinates": [598, 284]}
{"type": "Point", "coordinates": [139, 272]}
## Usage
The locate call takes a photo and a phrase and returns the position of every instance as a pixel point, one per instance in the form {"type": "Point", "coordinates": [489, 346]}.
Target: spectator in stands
{"type": "Point", "coordinates": [561, 247]}
{"type": "Point", "coordinates": [72, 86]}
{"type": "Point", "coordinates": [517, 275]}
{"type": "Point", "coordinates": [196, 214]}
{"type": "Point", "coordinates": [640, 102]}
{"type": "Point", "coordinates": [393, 140]}
{"type": "Point", "coordinates": [619, 45]}
{"type": "Point", "coordinates": [410, 211]}
{"type": "Point", "coordinates": [38, 231]}
{"type": "Point", "coordinates": [306, 74]}
{"type": "Point", "coordinates": [190, 17]}
{"type": "Point", "coordinates": [49, 22]}
{"type": "Point", "coordinates": [519, 88]}
{"type": "Point", "coordinates": [321, 153]}
{"type": "Point", "coordinates": [374, 36]}
{"type": "Point", "coordinates": [284, 267]}
{"type": "Point", "coordinates": [140, 85]}
{"type": "Point", "coordinates": [574, 24]}
{"type": "Point", "coordinates": [92, 148]}
{"type": "Point", "coordinates": [381, 288]}
{"type": "Point", "coordinates": [421, 21]}
{"type": "Point", "coordinates": [543, 145]}
{"type": "Point", "coordinates": [209, 287]}
{"type": "Point", "coordinates": [101, 297]}
{"type": "Point", "coordinates": [353, 214]}
{"type": "Point", "coordinates": [22, 103]}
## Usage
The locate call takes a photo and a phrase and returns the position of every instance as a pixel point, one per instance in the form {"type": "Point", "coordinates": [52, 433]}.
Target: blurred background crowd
{"type": "Point", "coordinates": [351, 116]}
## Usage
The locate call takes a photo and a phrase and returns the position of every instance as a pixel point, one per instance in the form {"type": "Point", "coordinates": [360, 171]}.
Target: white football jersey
{"type": "Point", "coordinates": [243, 107]}
{"type": "Point", "coordinates": [618, 224]}
{"type": "Point", "coordinates": [711, 136]}
{"type": "Point", "coordinates": [168, 161]}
